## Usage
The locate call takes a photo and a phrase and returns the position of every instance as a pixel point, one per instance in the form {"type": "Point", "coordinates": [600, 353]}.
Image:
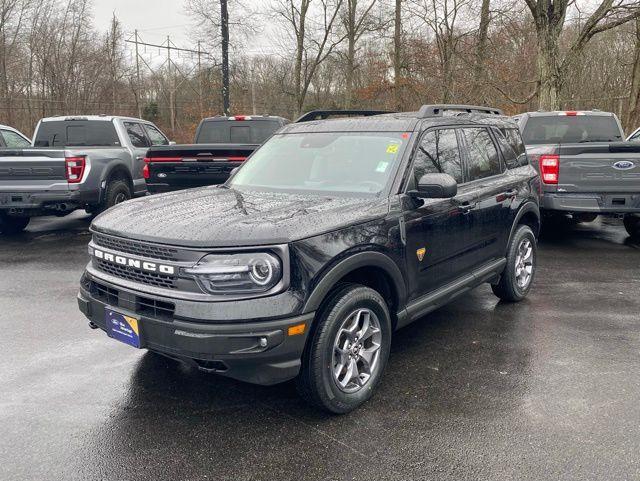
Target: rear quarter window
{"type": "Point", "coordinates": [512, 147]}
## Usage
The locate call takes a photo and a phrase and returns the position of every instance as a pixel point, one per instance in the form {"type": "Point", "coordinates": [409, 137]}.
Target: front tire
{"type": "Point", "coordinates": [517, 277]}
{"type": "Point", "coordinates": [346, 356]}
{"type": "Point", "coordinates": [10, 225]}
{"type": "Point", "coordinates": [632, 224]}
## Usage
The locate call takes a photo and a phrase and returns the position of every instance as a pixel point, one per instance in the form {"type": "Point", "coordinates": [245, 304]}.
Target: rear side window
{"type": "Point", "coordinates": [13, 140]}
{"type": "Point", "coordinates": [571, 129]}
{"type": "Point", "coordinates": [438, 153]}
{"type": "Point", "coordinates": [512, 147]}
{"type": "Point", "coordinates": [484, 160]}
{"type": "Point", "coordinates": [236, 131]}
{"type": "Point", "coordinates": [89, 133]}
{"type": "Point", "coordinates": [155, 136]}
{"type": "Point", "coordinates": [136, 134]}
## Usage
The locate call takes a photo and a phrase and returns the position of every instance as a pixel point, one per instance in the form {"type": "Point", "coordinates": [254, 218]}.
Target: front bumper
{"type": "Point", "coordinates": [259, 352]}
{"type": "Point", "coordinates": [24, 203]}
{"type": "Point", "coordinates": [593, 203]}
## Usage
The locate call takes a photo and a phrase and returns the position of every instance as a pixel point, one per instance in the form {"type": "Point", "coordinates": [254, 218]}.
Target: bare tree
{"type": "Point", "coordinates": [481, 52]}
{"type": "Point", "coordinates": [313, 32]}
{"type": "Point", "coordinates": [357, 19]}
{"type": "Point", "coordinates": [549, 18]}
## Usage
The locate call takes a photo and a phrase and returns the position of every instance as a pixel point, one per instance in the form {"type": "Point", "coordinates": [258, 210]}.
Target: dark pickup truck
{"type": "Point", "coordinates": [334, 234]}
{"type": "Point", "coordinates": [587, 168]}
{"type": "Point", "coordinates": [221, 144]}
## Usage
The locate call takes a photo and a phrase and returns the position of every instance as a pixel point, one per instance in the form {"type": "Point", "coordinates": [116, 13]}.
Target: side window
{"type": "Point", "coordinates": [136, 134]}
{"type": "Point", "coordinates": [13, 140]}
{"type": "Point", "coordinates": [514, 139]}
{"type": "Point", "coordinates": [438, 153]}
{"type": "Point", "coordinates": [635, 137]}
{"type": "Point", "coordinates": [155, 136]}
{"type": "Point", "coordinates": [484, 160]}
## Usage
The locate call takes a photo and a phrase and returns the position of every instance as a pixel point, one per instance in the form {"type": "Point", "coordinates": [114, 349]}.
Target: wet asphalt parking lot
{"type": "Point", "coordinates": [545, 389]}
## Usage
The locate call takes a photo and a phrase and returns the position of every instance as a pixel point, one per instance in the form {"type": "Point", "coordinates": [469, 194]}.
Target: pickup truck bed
{"type": "Point", "coordinates": [193, 165]}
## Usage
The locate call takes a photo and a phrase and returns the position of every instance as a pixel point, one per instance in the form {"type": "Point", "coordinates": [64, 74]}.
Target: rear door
{"type": "Point", "coordinates": [438, 230]}
{"type": "Point", "coordinates": [491, 216]}
{"type": "Point", "coordinates": [139, 144]}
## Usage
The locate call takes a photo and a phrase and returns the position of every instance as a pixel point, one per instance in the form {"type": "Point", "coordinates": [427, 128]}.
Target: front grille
{"type": "Point", "coordinates": [149, 278]}
{"type": "Point", "coordinates": [137, 248]}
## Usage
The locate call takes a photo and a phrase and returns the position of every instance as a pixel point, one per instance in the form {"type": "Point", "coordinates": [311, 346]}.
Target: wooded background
{"type": "Point", "coordinates": [290, 56]}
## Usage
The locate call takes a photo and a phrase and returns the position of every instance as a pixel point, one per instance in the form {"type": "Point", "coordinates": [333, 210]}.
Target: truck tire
{"type": "Point", "coordinates": [632, 224]}
{"type": "Point", "coordinates": [117, 191]}
{"type": "Point", "coordinates": [10, 225]}
{"type": "Point", "coordinates": [346, 355]}
{"type": "Point", "coordinates": [517, 277]}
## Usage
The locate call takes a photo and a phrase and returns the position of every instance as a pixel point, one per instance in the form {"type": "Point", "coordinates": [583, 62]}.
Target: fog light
{"type": "Point", "coordinates": [263, 342]}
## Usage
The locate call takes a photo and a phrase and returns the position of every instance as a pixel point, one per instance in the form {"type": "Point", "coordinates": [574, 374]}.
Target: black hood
{"type": "Point", "coordinates": [221, 217]}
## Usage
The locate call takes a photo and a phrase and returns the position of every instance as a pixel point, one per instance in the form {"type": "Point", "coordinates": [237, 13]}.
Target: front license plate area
{"type": "Point", "coordinates": [122, 327]}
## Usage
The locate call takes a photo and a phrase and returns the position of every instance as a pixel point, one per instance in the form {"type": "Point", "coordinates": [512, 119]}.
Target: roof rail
{"type": "Point", "coordinates": [438, 110]}
{"type": "Point", "coordinates": [325, 114]}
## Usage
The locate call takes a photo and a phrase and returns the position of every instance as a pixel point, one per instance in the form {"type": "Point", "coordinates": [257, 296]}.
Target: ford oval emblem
{"type": "Point", "coordinates": [624, 165]}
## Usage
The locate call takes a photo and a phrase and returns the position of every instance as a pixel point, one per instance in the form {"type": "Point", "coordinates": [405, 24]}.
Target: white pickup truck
{"type": "Point", "coordinates": [82, 162]}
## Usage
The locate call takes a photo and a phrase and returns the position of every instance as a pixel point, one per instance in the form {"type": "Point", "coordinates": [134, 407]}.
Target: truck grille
{"type": "Point", "coordinates": [137, 248]}
{"type": "Point", "coordinates": [150, 278]}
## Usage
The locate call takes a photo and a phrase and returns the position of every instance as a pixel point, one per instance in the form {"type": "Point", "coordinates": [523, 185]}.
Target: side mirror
{"type": "Point", "coordinates": [436, 186]}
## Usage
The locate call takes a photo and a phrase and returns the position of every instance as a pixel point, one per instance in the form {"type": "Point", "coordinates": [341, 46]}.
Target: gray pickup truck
{"type": "Point", "coordinates": [586, 167]}
{"type": "Point", "coordinates": [80, 162]}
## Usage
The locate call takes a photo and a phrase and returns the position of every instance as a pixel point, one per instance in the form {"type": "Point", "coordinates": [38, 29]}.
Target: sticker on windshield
{"type": "Point", "coordinates": [392, 148]}
{"type": "Point", "coordinates": [382, 166]}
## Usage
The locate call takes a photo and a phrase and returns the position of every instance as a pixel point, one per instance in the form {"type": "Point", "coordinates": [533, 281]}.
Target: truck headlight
{"type": "Point", "coordinates": [251, 272]}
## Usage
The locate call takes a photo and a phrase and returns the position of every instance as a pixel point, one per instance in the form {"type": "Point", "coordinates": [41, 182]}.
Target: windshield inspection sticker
{"type": "Point", "coordinates": [392, 148]}
{"type": "Point", "coordinates": [382, 166]}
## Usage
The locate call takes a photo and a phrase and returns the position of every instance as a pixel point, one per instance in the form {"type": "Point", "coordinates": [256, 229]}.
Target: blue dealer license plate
{"type": "Point", "coordinates": [123, 328]}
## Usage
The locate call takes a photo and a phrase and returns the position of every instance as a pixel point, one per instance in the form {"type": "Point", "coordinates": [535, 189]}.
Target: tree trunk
{"type": "Point", "coordinates": [352, 5]}
{"type": "Point", "coordinates": [481, 53]}
{"type": "Point", "coordinates": [633, 116]}
{"type": "Point", "coordinates": [397, 56]}
{"type": "Point", "coordinates": [297, 69]}
{"type": "Point", "coordinates": [224, 22]}
{"type": "Point", "coordinates": [549, 74]}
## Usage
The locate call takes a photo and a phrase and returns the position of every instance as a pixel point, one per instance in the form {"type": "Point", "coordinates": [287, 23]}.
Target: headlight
{"type": "Point", "coordinates": [252, 272]}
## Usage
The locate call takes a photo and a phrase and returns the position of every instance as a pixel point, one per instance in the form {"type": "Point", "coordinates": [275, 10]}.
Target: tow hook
{"type": "Point", "coordinates": [93, 325]}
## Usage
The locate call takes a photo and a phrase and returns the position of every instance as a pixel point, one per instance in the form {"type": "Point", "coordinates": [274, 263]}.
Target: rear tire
{"type": "Point", "coordinates": [346, 355]}
{"type": "Point", "coordinates": [517, 277]}
{"type": "Point", "coordinates": [632, 224]}
{"type": "Point", "coordinates": [117, 191]}
{"type": "Point", "coordinates": [10, 225]}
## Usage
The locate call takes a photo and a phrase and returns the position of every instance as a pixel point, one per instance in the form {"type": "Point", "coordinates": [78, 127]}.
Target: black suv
{"type": "Point", "coordinates": [331, 236]}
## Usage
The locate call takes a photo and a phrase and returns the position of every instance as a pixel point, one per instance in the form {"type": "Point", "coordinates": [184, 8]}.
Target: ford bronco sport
{"type": "Point", "coordinates": [331, 236]}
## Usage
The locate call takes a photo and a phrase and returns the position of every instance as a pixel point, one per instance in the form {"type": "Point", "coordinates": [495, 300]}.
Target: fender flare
{"type": "Point", "coordinates": [350, 264]}
{"type": "Point", "coordinates": [525, 209]}
{"type": "Point", "coordinates": [106, 173]}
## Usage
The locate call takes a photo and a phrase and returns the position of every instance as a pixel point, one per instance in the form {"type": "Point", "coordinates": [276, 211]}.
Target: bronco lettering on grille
{"type": "Point", "coordinates": [135, 263]}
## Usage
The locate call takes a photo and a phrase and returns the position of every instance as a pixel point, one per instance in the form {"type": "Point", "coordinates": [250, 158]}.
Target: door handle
{"type": "Point", "coordinates": [466, 207]}
{"type": "Point", "coordinates": [510, 194]}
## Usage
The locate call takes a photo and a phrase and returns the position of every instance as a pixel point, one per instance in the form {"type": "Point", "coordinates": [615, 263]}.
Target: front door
{"type": "Point", "coordinates": [438, 231]}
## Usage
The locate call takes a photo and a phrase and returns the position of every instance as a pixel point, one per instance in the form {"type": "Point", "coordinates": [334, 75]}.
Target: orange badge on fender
{"type": "Point", "coordinates": [420, 253]}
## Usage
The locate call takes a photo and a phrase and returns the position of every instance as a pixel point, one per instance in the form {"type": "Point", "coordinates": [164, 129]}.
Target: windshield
{"type": "Point", "coordinates": [236, 131]}
{"type": "Point", "coordinates": [353, 163]}
{"type": "Point", "coordinates": [567, 129]}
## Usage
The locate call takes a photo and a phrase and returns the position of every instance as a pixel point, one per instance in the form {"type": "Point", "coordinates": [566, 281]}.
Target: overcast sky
{"type": "Point", "coordinates": [154, 19]}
